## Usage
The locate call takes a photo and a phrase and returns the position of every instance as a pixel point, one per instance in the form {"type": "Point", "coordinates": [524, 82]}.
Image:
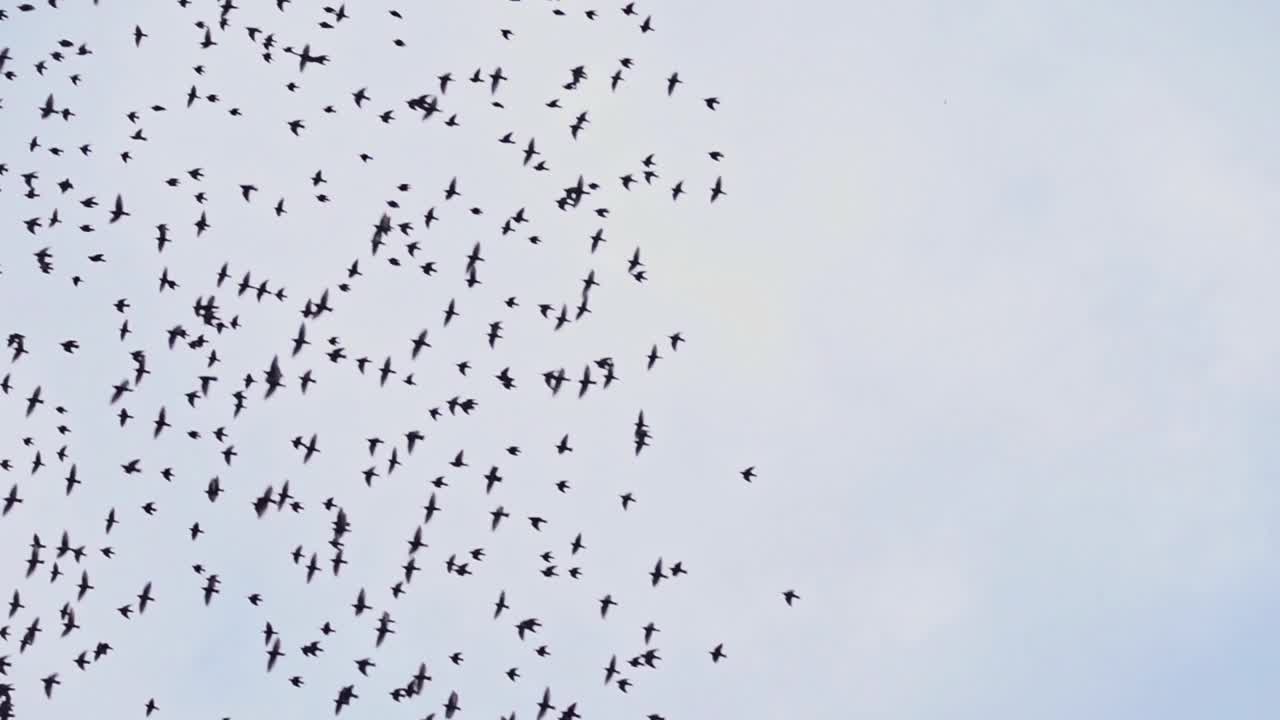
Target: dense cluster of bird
{"type": "Point", "coordinates": [61, 214]}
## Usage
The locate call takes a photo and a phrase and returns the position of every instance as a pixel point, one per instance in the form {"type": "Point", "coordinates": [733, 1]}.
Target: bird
{"type": "Point", "coordinates": [605, 603]}
{"type": "Point", "coordinates": [49, 682]}
{"type": "Point", "coordinates": [672, 81]}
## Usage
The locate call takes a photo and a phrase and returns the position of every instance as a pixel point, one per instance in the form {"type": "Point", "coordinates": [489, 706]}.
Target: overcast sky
{"type": "Point", "coordinates": [986, 304]}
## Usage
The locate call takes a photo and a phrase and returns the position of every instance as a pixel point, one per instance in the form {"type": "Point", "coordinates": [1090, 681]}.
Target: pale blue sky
{"type": "Point", "coordinates": [988, 305]}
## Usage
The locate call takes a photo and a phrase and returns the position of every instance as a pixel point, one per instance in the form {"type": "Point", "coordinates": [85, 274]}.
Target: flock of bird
{"type": "Point", "coordinates": [52, 242]}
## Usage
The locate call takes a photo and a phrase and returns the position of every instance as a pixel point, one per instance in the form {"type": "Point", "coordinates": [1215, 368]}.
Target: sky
{"type": "Point", "coordinates": [985, 305]}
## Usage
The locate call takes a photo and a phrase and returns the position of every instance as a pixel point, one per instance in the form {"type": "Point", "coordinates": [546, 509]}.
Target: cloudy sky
{"type": "Point", "coordinates": [985, 305]}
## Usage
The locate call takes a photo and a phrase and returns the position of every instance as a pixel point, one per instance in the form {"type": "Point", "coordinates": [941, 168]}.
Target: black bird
{"type": "Point", "coordinates": [359, 604]}
{"type": "Point", "coordinates": [544, 705]}
{"type": "Point", "coordinates": [384, 628]}
{"type": "Point", "coordinates": [118, 210]}
{"type": "Point", "coordinates": [420, 341]}
{"type": "Point", "coordinates": [717, 653]}
{"type": "Point", "coordinates": [273, 654]}
{"type": "Point", "coordinates": [34, 400]}
{"type": "Point", "coordinates": [605, 603]}
{"type": "Point", "coordinates": [160, 423]}
{"type": "Point", "coordinates": [345, 696]}
{"type": "Point", "coordinates": [144, 598]}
